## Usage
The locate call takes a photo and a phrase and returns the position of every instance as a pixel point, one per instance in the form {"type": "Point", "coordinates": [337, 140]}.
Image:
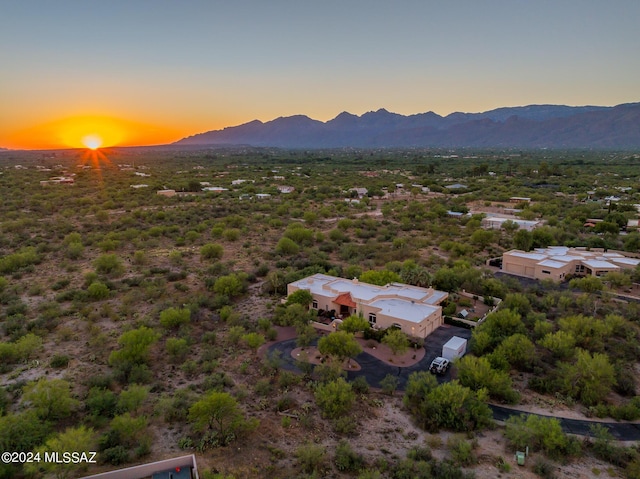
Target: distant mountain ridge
{"type": "Point", "coordinates": [533, 126]}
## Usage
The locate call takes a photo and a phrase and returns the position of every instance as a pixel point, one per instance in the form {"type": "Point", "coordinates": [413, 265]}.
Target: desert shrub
{"type": "Point", "coordinates": [335, 398]}
{"type": "Point", "coordinates": [98, 291]}
{"type": "Point", "coordinates": [360, 385]}
{"type": "Point", "coordinates": [59, 361]}
{"type": "Point", "coordinates": [16, 261]}
{"type": "Point", "coordinates": [101, 402]}
{"type": "Point", "coordinates": [177, 348]}
{"type": "Point", "coordinates": [287, 247]}
{"type": "Point", "coordinates": [540, 433]}
{"type": "Point", "coordinates": [174, 317]}
{"type": "Point", "coordinates": [346, 459]}
{"type": "Point", "coordinates": [109, 264]}
{"type": "Point", "coordinates": [462, 452]}
{"type": "Point", "coordinates": [477, 373]}
{"type": "Point", "coordinates": [211, 251]}
{"type": "Point", "coordinates": [450, 405]}
{"type": "Point", "coordinates": [311, 458]}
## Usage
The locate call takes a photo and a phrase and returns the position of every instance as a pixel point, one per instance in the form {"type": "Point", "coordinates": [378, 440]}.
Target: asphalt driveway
{"type": "Point", "coordinates": [375, 370]}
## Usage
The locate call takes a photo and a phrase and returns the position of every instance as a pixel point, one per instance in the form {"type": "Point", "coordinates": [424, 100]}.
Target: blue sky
{"type": "Point", "coordinates": [189, 66]}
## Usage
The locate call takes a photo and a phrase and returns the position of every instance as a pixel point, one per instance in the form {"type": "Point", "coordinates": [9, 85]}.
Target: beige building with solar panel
{"type": "Point", "coordinates": [558, 262]}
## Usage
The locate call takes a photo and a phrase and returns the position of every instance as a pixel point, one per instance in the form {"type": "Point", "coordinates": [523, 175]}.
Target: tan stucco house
{"type": "Point", "coordinates": [558, 262]}
{"type": "Point", "coordinates": [416, 311]}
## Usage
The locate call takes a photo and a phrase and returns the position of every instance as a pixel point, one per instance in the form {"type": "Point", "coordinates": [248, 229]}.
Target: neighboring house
{"type": "Point", "coordinates": [416, 311]}
{"type": "Point", "coordinates": [286, 189]}
{"type": "Point", "coordinates": [360, 191]}
{"type": "Point", "coordinates": [58, 180]}
{"type": "Point", "coordinates": [557, 262]}
{"type": "Point", "coordinates": [183, 467]}
{"type": "Point", "coordinates": [215, 189]}
{"type": "Point", "coordinates": [167, 192]}
{"type": "Point", "coordinates": [496, 222]}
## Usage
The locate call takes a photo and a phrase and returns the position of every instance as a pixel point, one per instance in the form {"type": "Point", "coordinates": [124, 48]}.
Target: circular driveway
{"type": "Point", "coordinates": [375, 370]}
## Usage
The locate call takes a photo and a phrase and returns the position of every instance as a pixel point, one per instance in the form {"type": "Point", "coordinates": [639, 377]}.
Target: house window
{"type": "Point", "coordinates": [579, 268]}
{"type": "Point", "coordinates": [372, 318]}
{"type": "Point", "coordinates": [314, 304]}
{"type": "Point", "coordinates": [544, 271]}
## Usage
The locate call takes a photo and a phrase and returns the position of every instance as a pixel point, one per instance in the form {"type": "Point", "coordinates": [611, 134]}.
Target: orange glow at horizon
{"type": "Point", "coordinates": [91, 131]}
{"type": "Point", "coordinates": [93, 142]}
{"type": "Point", "coordinates": [95, 157]}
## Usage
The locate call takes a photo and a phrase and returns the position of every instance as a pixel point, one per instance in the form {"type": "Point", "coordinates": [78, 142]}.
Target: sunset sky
{"type": "Point", "coordinates": [142, 72]}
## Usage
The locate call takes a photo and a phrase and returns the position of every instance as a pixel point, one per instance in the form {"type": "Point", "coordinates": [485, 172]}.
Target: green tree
{"type": "Point", "coordinates": [482, 238]}
{"type": "Point", "coordinates": [51, 398]}
{"type": "Point", "coordinates": [380, 277]}
{"type": "Point", "coordinates": [353, 324]}
{"type": "Point", "coordinates": [588, 284]}
{"type": "Point", "coordinates": [523, 240]}
{"type": "Point", "coordinates": [231, 285]}
{"type": "Point", "coordinates": [396, 340]}
{"type": "Point", "coordinates": [335, 398]}
{"type": "Point", "coordinates": [254, 341]}
{"type": "Point", "coordinates": [561, 343]}
{"type": "Point", "coordinates": [101, 402]}
{"type": "Point", "coordinates": [174, 317]}
{"type": "Point", "coordinates": [340, 345]}
{"type": "Point", "coordinates": [477, 373]}
{"type": "Point", "coordinates": [538, 433]}
{"type": "Point", "coordinates": [450, 405]}
{"type": "Point", "coordinates": [22, 432]}
{"type": "Point", "coordinates": [132, 398]}
{"type": "Point", "coordinates": [306, 335]}
{"type": "Point", "coordinates": [131, 431]}
{"type": "Point", "coordinates": [135, 345]}
{"type": "Point", "coordinates": [589, 333]}
{"type": "Point", "coordinates": [518, 303]}
{"type": "Point", "coordinates": [301, 296]}
{"type": "Point", "coordinates": [590, 379]}
{"type": "Point", "coordinates": [519, 351]}
{"type": "Point", "coordinates": [617, 279]}
{"type": "Point", "coordinates": [498, 326]}
{"type": "Point", "coordinates": [76, 439]}
{"type": "Point", "coordinates": [218, 412]}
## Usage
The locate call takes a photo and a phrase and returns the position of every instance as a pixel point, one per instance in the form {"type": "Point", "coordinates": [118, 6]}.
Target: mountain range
{"type": "Point", "coordinates": [533, 126]}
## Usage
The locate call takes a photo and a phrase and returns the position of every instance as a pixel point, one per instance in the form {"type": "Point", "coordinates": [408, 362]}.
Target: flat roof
{"type": "Point", "coordinates": [522, 254]}
{"type": "Point", "coordinates": [629, 261]}
{"type": "Point", "coordinates": [325, 285]}
{"type": "Point", "coordinates": [597, 264]}
{"type": "Point", "coordinates": [552, 264]}
{"type": "Point", "coordinates": [403, 309]}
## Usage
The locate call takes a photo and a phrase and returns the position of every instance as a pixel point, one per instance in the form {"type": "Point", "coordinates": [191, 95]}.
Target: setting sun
{"type": "Point", "coordinates": [93, 142]}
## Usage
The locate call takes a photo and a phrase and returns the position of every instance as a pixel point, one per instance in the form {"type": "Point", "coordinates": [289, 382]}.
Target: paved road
{"type": "Point", "coordinates": [375, 370]}
{"type": "Point", "coordinates": [622, 431]}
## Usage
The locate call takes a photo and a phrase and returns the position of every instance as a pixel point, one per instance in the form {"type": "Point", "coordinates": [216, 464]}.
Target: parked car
{"type": "Point", "coordinates": [439, 365]}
